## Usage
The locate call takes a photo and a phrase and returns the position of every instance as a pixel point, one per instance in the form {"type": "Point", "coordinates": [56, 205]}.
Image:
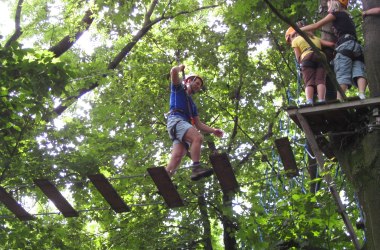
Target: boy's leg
{"type": "Point", "coordinates": [195, 139]}
{"type": "Point", "coordinates": [178, 152]}
{"type": "Point", "coordinates": [344, 87]}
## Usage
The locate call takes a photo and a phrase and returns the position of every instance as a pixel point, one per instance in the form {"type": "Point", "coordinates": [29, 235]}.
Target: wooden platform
{"type": "Point", "coordinates": [287, 157]}
{"type": "Point", "coordinates": [224, 172]}
{"type": "Point", "coordinates": [165, 187]}
{"type": "Point", "coordinates": [56, 197]}
{"type": "Point", "coordinates": [13, 206]}
{"type": "Point", "coordinates": [109, 193]}
{"type": "Point", "coordinates": [333, 117]}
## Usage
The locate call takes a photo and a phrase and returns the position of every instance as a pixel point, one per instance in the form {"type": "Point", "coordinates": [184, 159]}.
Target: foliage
{"type": "Point", "coordinates": [118, 129]}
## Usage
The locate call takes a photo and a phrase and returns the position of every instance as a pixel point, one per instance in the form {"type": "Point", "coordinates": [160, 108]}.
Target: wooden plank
{"type": "Point", "coordinates": [287, 157]}
{"type": "Point", "coordinates": [165, 187]}
{"type": "Point", "coordinates": [109, 193]}
{"type": "Point", "coordinates": [311, 140]}
{"type": "Point", "coordinates": [318, 155]}
{"type": "Point", "coordinates": [224, 172]}
{"type": "Point", "coordinates": [56, 197]}
{"type": "Point", "coordinates": [13, 206]}
{"type": "Point", "coordinates": [333, 116]}
{"type": "Point", "coordinates": [345, 218]}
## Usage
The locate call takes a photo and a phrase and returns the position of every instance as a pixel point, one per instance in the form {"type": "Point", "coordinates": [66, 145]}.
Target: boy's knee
{"type": "Point", "coordinates": [199, 138]}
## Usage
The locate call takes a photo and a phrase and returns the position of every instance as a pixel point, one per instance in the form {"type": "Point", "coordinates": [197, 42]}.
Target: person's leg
{"type": "Point", "coordinates": [344, 87]}
{"type": "Point", "coordinates": [309, 92]}
{"type": "Point", "coordinates": [343, 68]}
{"type": "Point", "coordinates": [195, 139]}
{"type": "Point", "coordinates": [178, 152]}
{"type": "Point", "coordinates": [308, 75]}
{"type": "Point", "coordinates": [362, 85]}
{"type": "Point", "coordinates": [320, 81]}
{"type": "Point", "coordinates": [321, 90]}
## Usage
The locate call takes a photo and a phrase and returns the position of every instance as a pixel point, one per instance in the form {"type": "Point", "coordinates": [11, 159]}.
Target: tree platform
{"type": "Point", "coordinates": [334, 118]}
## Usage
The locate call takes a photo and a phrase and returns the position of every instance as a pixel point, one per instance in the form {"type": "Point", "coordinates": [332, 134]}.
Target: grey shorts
{"type": "Point", "coordinates": [346, 70]}
{"type": "Point", "coordinates": [181, 128]}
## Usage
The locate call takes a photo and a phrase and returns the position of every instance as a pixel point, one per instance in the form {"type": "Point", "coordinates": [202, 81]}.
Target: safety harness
{"type": "Point", "coordinates": [309, 63]}
{"type": "Point", "coordinates": [349, 52]}
{"type": "Point", "coordinates": [173, 130]}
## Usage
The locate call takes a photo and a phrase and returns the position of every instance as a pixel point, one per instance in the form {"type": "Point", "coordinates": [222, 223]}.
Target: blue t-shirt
{"type": "Point", "coordinates": [181, 103]}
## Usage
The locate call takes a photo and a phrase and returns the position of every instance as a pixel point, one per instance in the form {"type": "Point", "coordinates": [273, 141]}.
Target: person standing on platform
{"type": "Point", "coordinates": [349, 59]}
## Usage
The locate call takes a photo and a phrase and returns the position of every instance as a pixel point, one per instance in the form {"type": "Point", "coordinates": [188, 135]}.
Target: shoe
{"type": "Point", "coordinates": [361, 96]}
{"type": "Point", "coordinates": [199, 172]}
{"type": "Point", "coordinates": [309, 102]}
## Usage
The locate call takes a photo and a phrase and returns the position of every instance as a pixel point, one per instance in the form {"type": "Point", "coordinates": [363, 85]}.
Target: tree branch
{"type": "Point", "coordinates": [67, 42]}
{"type": "Point", "coordinates": [124, 52]}
{"type": "Point", "coordinates": [148, 24]}
{"type": "Point", "coordinates": [18, 32]}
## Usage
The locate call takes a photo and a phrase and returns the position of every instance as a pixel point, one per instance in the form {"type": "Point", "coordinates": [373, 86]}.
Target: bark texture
{"type": "Point", "coordinates": [360, 160]}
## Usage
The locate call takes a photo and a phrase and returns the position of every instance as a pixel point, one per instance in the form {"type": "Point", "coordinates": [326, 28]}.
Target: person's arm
{"type": "Point", "coordinates": [206, 129]}
{"type": "Point", "coordinates": [314, 26]}
{"type": "Point", "coordinates": [326, 43]}
{"type": "Point", "coordinates": [371, 12]}
{"type": "Point", "coordinates": [175, 74]}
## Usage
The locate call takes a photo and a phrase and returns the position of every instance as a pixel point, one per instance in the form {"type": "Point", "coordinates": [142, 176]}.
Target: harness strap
{"type": "Point", "coordinates": [310, 64]}
{"type": "Point", "coordinates": [345, 38]}
{"type": "Point", "coordinates": [173, 135]}
{"type": "Point", "coordinates": [173, 131]}
{"type": "Point", "coordinates": [349, 53]}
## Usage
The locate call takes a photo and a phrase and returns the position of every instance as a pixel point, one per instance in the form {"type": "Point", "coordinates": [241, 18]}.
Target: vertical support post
{"type": "Point", "coordinates": [321, 162]}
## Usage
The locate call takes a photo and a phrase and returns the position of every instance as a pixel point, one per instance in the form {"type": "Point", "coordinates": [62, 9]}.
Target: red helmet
{"type": "Point", "coordinates": [194, 76]}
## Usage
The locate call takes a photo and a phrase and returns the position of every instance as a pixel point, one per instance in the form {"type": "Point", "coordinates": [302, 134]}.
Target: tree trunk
{"type": "Point", "coordinates": [205, 223]}
{"type": "Point", "coordinates": [359, 155]}
{"type": "Point", "coordinates": [229, 228]}
{"type": "Point", "coordinates": [328, 35]}
{"type": "Point", "coordinates": [360, 161]}
{"type": "Point", "coordinates": [371, 48]}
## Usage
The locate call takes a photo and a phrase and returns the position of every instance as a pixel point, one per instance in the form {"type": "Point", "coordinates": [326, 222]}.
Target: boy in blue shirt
{"type": "Point", "coordinates": [184, 124]}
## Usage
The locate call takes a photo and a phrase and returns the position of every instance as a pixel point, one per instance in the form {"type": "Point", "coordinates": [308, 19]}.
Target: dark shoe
{"type": "Point", "coordinates": [199, 173]}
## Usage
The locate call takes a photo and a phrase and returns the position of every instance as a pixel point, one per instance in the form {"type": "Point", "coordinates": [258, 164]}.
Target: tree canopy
{"type": "Point", "coordinates": [84, 88]}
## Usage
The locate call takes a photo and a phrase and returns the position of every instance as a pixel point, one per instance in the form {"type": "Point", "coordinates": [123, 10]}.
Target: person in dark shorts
{"type": "Point", "coordinates": [349, 59]}
{"type": "Point", "coordinates": [313, 73]}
